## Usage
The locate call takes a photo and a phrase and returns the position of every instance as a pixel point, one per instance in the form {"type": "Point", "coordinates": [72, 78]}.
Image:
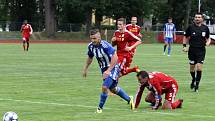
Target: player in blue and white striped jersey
{"type": "Point", "coordinates": [107, 60]}
{"type": "Point", "coordinates": [169, 35]}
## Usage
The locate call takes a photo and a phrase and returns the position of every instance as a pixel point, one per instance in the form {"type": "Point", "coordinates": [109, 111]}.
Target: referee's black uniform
{"type": "Point", "coordinates": [196, 53]}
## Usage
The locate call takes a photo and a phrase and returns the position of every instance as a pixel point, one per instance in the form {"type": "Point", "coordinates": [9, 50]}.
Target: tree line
{"type": "Point", "coordinates": [50, 13]}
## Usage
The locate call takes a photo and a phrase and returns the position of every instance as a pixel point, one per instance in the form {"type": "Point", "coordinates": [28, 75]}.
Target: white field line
{"type": "Point", "coordinates": [94, 107]}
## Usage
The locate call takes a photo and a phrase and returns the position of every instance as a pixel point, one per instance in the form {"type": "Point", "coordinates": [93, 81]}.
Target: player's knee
{"type": "Point", "coordinates": [114, 90]}
{"type": "Point", "coordinates": [104, 89]}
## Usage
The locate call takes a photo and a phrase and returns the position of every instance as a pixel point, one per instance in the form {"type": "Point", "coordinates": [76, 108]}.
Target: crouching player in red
{"type": "Point", "coordinates": [158, 84]}
{"type": "Point", "coordinates": [26, 30]}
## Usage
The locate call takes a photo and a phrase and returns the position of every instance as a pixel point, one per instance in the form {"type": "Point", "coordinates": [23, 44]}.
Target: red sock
{"type": "Point", "coordinates": [176, 104]}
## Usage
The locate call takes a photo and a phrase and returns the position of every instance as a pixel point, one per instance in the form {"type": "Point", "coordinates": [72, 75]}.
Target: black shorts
{"type": "Point", "coordinates": [196, 55]}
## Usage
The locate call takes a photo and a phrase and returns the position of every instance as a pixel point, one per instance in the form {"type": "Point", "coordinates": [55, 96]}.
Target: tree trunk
{"type": "Point", "coordinates": [188, 9]}
{"type": "Point", "coordinates": [88, 21]}
{"type": "Point", "coordinates": [50, 20]}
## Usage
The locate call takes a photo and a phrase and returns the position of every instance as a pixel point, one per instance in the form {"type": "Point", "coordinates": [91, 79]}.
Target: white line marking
{"type": "Point", "coordinates": [94, 107]}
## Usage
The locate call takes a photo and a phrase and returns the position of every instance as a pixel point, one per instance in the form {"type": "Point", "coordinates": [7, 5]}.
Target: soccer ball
{"type": "Point", "coordinates": [10, 116]}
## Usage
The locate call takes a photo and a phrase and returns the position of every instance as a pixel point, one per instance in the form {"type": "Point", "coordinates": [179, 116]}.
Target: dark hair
{"type": "Point", "coordinates": [169, 17]}
{"type": "Point", "coordinates": [143, 74]}
{"type": "Point", "coordinates": [123, 20]}
{"type": "Point", "coordinates": [199, 13]}
{"type": "Point", "coordinates": [94, 31]}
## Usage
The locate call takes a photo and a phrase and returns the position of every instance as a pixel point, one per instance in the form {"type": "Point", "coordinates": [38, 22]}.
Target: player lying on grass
{"type": "Point", "coordinates": [107, 59]}
{"type": "Point", "coordinates": [158, 84]}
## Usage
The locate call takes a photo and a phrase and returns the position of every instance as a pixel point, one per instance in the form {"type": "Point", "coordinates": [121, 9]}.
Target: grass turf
{"type": "Point", "coordinates": [45, 84]}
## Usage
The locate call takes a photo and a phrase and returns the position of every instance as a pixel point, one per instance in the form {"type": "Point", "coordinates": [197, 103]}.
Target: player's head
{"type": "Point", "coordinates": [121, 22]}
{"type": "Point", "coordinates": [143, 77]}
{"type": "Point", "coordinates": [170, 20]}
{"type": "Point", "coordinates": [25, 22]}
{"type": "Point", "coordinates": [95, 36]}
{"type": "Point", "coordinates": [133, 20]}
{"type": "Point", "coordinates": [198, 18]}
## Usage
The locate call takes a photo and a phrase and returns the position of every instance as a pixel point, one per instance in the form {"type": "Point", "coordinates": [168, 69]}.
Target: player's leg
{"type": "Point", "coordinates": [170, 40]}
{"type": "Point", "coordinates": [120, 92]}
{"type": "Point", "coordinates": [200, 60]}
{"type": "Point", "coordinates": [23, 43]}
{"type": "Point", "coordinates": [165, 45]}
{"type": "Point", "coordinates": [150, 98]}
{"type": "Point", "coordinates": [170, 97]}
{"type": "Point", "coordinates": [127, 65]}
{"type": "Point", "coordinates": [192, 59]}
{"type": "Point", "coordinates": [104, 94]}
{"type": "Point", "coordinates": [27, 41]}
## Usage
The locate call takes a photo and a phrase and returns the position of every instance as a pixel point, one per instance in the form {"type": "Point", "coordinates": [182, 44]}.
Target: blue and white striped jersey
{"type": "Point", "coordinates": [103, 54]}
{"type": "Point", "coordinates": [169, 29]}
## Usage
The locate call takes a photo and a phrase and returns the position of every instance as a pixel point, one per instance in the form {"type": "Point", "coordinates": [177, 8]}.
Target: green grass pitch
{"type": "Point", "coordinates": [45, 84]}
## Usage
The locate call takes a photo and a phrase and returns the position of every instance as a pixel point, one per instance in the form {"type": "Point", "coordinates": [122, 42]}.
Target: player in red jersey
{"type": "Point", "coordinates": [121, 39]}
{"type": "Point", "coordinates": [135, 29]}
{"type": "Point", "coordinates": [158, 84]}
{"type": "Point", "coordinates": [26, 30]}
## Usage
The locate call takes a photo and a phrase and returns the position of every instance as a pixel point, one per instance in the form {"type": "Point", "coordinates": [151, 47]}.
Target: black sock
{"type": "Point", "coordinates": [198, 77]}
{"type": "Point", "coordinates": [164, 48]}
{"type": "Point", "coordinates": [193, 76]}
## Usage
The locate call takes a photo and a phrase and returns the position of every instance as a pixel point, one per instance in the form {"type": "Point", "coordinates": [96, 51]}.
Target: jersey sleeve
{"type": "Point", "coordinates": [174, 28]}
{"type": "Point", "coordinates": [109, 49]}
{"type": "Point", "coordinates": [188, 32]}
{"type": "Point", "coordinates": [89, 52]}
{"type": "Point", "coordinates": [207, 33]}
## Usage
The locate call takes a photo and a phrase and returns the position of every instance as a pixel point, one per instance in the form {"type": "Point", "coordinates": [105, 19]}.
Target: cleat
{"type": "Point", "coordinates": [180, 105]}
{"type": "Point", "coordinates": [164, 53]}
{"type": "Point", "coordinates": [131, 103]}
{"type": "Point", "coordinates": [196, 89]}
{"type": "Point", "coordinates": [168, 55]}
{"type": "Point", "coordinates": [192, 85]}
{"type": "Point", "coordinates": [99, 110]}
{"type": "Point", "coordinates": [136, 68]}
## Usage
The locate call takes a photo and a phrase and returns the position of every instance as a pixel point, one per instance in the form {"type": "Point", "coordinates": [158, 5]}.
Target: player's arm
{"type": "Point", "coordinates": [113, 62]}
{"type": "Point", "coordinates": [88, 62]}
{"type": "Point", "coordinates": [174, 33]}
{"type": "Point", "coordinates": [31, 30]}
{"type": "Point", "coordinates": [208, 39]}
{"type": "Point", "coordinates": [158, 93]}
{"type": "Point", "coordinates": [186, 38]}
{"type": "Point", "coordinates": [138, 42]}
{"type": "Point", "coordinates": [164, 31]}
{"type": "Point", "coordinates": [139, 95]}
{"type": "Point", "coordinates": [113, 41]}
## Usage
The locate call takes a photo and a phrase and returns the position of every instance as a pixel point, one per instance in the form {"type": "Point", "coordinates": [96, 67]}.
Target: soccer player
{"type": "Point", "coordinates": [120, 39]}
{"type": "Point", "coordinates": [107, 59]}
{"type": "Point", "coordinates": [158, 83]}
{"type": "Point", "coordinates": [198, 37]}
{"type": "Point", "coordinates": [169, 35]}
{"type": "Point", "coordinates": [135, 29]}
{"type": "Point", "coordinates": [26, 30]}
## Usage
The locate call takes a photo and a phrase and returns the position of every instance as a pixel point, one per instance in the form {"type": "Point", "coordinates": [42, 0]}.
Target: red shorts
{"type": "Point", "coordinates": [171, 94]}
{"type": "Point", "coordinates": [25, 39]}
{"type": "Point", "coordinates": [123, 61]}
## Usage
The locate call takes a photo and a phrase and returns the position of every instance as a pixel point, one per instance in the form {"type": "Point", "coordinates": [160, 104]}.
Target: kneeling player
{"type": "Point", "coordinates": [158, 84]}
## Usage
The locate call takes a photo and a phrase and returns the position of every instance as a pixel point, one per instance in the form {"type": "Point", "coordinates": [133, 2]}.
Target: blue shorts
{"type": "Point", "coordinates": [109, 83]}
{"type": "Point", "coordinates": [114, 74]}
{"type": "Point", "coordinates": [168, 39]}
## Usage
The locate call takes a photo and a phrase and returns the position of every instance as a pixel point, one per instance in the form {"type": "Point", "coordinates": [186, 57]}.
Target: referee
{"type": "Point", "coordinates": [198, 37]}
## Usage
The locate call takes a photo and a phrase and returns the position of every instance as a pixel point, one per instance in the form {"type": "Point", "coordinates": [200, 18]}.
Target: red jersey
{"type": "Point", "coordinates": [161, 82]}
{"type": "Point", "coordinates": [122, 40]}
{"type": "Point", "coordinates": [135, 29]}
{"type": "Point", "coordinates": [26, 30]}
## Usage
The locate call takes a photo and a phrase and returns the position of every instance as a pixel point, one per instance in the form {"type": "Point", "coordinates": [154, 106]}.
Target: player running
{"type": "Point", "coordinates": [26, 30]}
{"type": "Point", "coordinates": [107, 59]}
{"type": "Point", "coordinates": [158, 83]}
{"type": "Point", "coordinates": [120, 39]}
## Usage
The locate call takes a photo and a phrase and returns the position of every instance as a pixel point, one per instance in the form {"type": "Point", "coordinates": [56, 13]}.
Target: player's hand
{"type": "Point", "coordinates": [84, 73]}
{"type": "Point", "coordinates": [113, 39]}
{"type": "Point", "coordinates": [106, 74]}
{"type": "Point", "coordinates": [185, 49]}
{"type": "Point", "coordinates": [207, 43]}
{"type": "Point", "coordinates": [128, 48]}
